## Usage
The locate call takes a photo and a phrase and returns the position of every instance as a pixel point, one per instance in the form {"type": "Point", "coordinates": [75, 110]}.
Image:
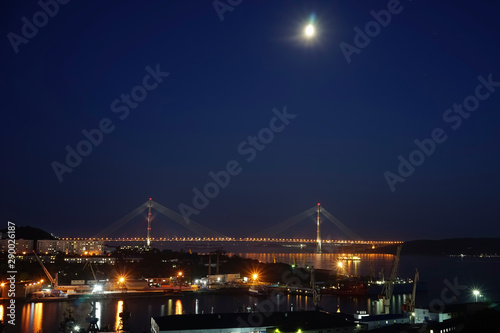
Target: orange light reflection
{"type": "Point", "coordinates": [178, 307]}
{"type": "Point", "coordinates": [119, 309]}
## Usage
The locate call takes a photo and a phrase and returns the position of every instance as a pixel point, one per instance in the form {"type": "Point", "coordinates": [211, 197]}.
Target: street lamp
{"type": "Point", "coordinates": [2, 285]}
{"type": "Point", "coordinates": [476, 293]}
{"type": "Point", "coordinates": [255, 277]}
{"type": "Point", "coordinates": [309, 31]}
{"type": "Point", "coordinates": [122, 282]}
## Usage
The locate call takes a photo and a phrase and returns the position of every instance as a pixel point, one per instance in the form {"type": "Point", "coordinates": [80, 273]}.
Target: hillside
{"type": "Point", "coordinates": [30, 233]}
{"type": "Point", "coordinates": [455, 246]}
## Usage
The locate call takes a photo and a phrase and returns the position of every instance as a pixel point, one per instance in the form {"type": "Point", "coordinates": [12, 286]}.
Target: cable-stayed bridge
{"type": "Point", "coordinates": [205, 234]}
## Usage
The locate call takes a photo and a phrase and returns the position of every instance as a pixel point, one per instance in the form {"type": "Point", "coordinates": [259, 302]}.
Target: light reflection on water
{"type": "Point", "coordinates": [31, 316]}
{"type": "Point", "coordinates": [482, 272]}
{"type": "Point", "coordinates": [370, 264]}
{"type": "Point", "coordinates": [143, 308]}
{"type": "Point", "coordinates": [178, 307]}
{"type": "Point", "coordinates": [119, 309]}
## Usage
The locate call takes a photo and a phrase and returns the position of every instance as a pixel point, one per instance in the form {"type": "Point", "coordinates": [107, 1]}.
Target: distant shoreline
{"type": "Point", "coordinates": [466, 247]}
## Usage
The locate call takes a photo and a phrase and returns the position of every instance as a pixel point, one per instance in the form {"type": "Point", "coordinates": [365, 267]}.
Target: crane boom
{"type": "Point", "coordinates": [389, 284]}
{"type": "Point", "coordinates": [409, 305]}
{"type": "Point", "coordinates": [51, 279]}
{"type": "Point", "coordinates": [415, 281]}
{"type": "Point", "coordinates": [89, 263]}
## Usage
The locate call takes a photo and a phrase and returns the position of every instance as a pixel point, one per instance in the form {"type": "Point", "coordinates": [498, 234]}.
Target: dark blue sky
{"type": "Point", "coordinates": [352, 120]}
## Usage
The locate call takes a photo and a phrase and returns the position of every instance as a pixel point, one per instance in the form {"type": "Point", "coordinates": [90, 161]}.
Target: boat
{"type": "Point", "coordinates": [400, 287]}
{"type": "Point", "coordinates": [305, 291]}
{"type": "Point", "coordinates": [257, 291]}
{"type": "Point", "coordinates": [350, 257]}
{"type": "Point", "coordinates": [353, 290]}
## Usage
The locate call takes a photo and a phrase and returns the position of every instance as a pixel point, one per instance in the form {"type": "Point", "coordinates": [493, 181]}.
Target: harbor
{"type": "Point", "coordinates": [233, 298]}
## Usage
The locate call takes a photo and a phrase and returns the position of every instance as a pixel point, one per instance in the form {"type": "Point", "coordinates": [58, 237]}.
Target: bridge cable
{"type": "Point", "coordinates": [284, 225]}
{"type": "Point", "coordinates": [346, 230]}
{"type": "Point", "coordinates": [106, 232]}
{"type": "Point", "coordinates": [186, 222]}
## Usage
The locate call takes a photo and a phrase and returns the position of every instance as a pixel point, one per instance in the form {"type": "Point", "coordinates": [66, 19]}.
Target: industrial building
{"type": "Point", "coordinates": [366, 323]}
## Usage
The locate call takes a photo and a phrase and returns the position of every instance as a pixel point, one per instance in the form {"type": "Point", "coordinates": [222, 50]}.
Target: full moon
{"type": "Point", "coordinates": [309, 30]}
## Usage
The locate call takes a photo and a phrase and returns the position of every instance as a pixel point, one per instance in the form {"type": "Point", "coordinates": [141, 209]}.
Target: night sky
{"type": "Point", "coordinates": [205, 83]}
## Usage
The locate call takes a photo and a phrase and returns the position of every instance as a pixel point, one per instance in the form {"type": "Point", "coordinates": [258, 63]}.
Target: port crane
{"type": "Point", "coordinates": [53, 281]}
{"type": "Point", "coordinates": [388, 288]}
{"type": "Point", "coordinates": [88, 263]}
{"type": "Point", "coordinates": [409, 305]}
{"type": "Point", "coordinates": [316, 295]}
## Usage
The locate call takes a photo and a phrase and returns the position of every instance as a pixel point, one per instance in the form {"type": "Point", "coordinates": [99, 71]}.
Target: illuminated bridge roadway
{"type": "Point", "coordinates": [205, 234]}
{"type": "Point", "coordinates": [232, 239]}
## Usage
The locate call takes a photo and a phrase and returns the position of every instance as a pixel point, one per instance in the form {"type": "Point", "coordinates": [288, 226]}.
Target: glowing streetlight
{"type": "Point", "coordinates": [121, 281]}
{"type": "Point", "coordinates": [476, 293]}
{"type": "Point", "coordinates": [255, 276]}
{"type": "Point", "coordinates": [309, 31]}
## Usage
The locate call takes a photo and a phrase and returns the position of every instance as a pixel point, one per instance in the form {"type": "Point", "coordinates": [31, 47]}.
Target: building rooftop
{"type": "Point", "coordinates": [285, 321]}
{"type": "Point", "coordinates": [382, 317]}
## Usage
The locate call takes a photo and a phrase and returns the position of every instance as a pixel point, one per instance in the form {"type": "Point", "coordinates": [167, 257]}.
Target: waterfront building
{"type": "Point", "coordinates": [221, 278]}
{"type": "Point", "coordinates": [366, 323]}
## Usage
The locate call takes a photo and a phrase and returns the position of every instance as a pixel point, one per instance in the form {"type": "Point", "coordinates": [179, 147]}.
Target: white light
{"type": "Point", "coordinates": [97, 288]}
{"type": "Point", "coordinates": [309, 30]}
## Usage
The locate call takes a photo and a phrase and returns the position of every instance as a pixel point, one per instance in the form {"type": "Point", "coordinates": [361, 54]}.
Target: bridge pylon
{"type": "Point", "coordinates": [148, 238]}
{"type": "Point", "coordinates": [318, 231]}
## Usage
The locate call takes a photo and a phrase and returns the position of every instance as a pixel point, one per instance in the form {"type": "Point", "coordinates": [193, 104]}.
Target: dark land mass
{"type": "Point", "coordinates": [163, 264]}
{"type": "Point", "coordinates": [454, 246]}
{"type": "Point", "coordinates": [28, 232]}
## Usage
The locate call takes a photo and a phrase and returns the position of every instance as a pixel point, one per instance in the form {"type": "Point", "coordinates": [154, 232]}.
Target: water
{"type": "Point", "coordinates": [480, 273]}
